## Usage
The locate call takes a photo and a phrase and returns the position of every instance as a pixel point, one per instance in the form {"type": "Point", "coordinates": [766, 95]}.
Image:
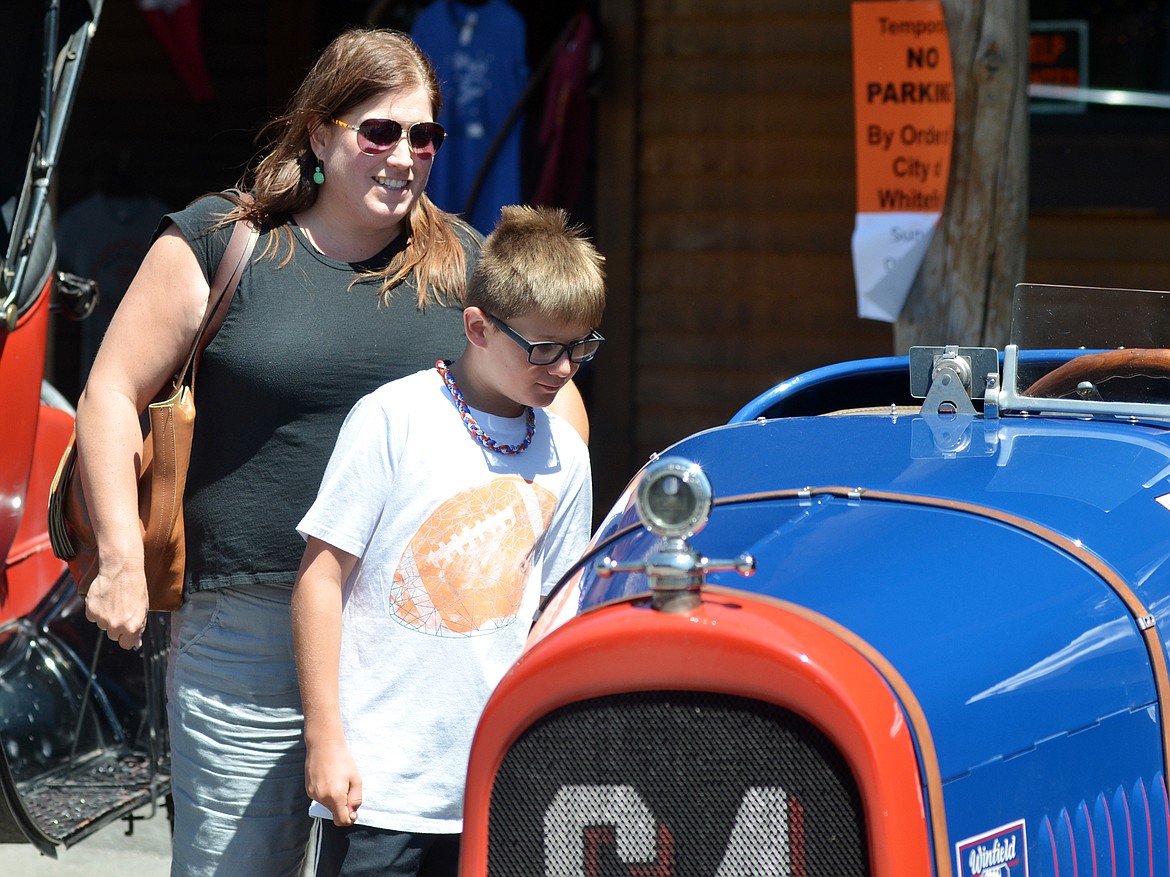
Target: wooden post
{"type": "Point", "coordinates": [963, 291]}
{"type": "Point", "coordinates": [613, 426]}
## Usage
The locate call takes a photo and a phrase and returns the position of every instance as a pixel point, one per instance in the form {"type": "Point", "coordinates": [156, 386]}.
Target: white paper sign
{"type": "Point", "coordinates": [888, 249]}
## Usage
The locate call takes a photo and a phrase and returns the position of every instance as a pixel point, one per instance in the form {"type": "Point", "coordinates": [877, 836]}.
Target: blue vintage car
{"type": "Point", "coordinates": [899, 617]}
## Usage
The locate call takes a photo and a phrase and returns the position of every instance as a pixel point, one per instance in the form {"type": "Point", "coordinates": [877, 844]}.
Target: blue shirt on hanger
{"type": "Point", "coordinates": [479, 52]}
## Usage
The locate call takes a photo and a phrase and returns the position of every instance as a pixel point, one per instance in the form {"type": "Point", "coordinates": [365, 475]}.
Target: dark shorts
{"type": "Point", "coordinates": [361, 851]}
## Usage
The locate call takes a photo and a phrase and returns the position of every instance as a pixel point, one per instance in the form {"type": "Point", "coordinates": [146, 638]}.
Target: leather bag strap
{"type": "Point", "coordinates": [223, 287]}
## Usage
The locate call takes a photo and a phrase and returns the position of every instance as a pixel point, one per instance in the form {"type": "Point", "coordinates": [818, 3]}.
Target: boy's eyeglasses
{"type": "Point", "coordinates": [375, 136]}
{"type": "Point", "coordinates": [548, 352]}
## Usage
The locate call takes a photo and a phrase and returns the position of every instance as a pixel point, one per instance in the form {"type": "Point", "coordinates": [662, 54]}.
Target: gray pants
{"type": "Point", "coordinates": [237, 750]}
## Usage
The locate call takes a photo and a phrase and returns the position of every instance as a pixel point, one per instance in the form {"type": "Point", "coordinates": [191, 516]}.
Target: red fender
{"type": "Point", "coordinates": [32, 438]}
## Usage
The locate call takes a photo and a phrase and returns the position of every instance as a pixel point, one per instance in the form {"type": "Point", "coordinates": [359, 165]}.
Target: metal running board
{"type": "Point", "coordinates": [61, 809]}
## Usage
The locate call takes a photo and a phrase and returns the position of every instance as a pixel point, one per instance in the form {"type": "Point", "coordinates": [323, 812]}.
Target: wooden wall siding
{"type": "Point", "coordinates": [745, 201]}
{"type": "Point", "coordinates": [1086, 250]}
{"type": "Point", "coordinates": [745, 207]}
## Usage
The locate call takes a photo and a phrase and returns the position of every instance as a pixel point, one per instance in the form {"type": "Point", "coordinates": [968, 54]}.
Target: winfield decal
{"type": "Point", "coordinates": [1001, 852]}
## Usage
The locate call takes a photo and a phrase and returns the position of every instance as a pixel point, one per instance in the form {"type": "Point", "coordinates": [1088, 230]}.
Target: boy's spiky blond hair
{"type": "Point", "coordinates": [536, 262]}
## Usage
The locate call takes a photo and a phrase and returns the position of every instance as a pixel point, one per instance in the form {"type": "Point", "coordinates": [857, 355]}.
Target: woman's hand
{"type": "Point", "coordinates": [117, 602]}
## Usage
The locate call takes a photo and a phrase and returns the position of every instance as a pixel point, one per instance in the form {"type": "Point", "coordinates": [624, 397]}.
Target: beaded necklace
{"type": "Point", "coordinates": [442, 367]}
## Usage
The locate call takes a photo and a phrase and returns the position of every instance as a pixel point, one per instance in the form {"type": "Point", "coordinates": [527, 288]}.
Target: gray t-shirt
{"type": "Point", "coordinates": [298, 347]}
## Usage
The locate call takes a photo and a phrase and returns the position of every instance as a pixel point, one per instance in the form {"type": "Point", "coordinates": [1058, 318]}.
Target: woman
{"type": "Point", "coordinates": [357, 281]}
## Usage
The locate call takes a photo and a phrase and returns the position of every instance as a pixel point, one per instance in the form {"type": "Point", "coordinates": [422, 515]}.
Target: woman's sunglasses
{"type": "Point", "coordinates": [375, 136]}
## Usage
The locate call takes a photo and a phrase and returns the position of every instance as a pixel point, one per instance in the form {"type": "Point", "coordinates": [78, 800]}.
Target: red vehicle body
{"type": "Point", "coordinates": [755, 651]}
{"type": "Point", "coordinates": [82, 739]}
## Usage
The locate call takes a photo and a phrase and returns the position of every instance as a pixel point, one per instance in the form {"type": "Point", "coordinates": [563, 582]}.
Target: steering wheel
{"type": "Point", "coordinates": [1098, 367]}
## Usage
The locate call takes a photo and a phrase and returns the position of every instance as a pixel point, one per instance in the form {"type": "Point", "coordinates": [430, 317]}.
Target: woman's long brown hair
{"type": "Point", "coordinates": [356, 67]}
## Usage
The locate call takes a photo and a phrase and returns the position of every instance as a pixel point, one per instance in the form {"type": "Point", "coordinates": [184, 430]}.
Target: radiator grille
{"type": "Point", "coordinates": [675, 783]}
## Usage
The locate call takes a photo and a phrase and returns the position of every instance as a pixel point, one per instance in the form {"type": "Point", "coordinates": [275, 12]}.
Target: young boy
{"type": "Point", "coordinates": [451, 502]}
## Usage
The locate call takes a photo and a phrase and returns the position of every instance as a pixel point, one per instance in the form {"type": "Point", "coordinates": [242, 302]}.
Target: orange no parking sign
{"type": "Point", "coordinates": [904, 106]}
{"type": "Point", "coordinates": [904, 114]}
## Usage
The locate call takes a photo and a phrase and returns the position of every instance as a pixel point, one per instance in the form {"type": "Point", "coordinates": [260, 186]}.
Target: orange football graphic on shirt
{"type": "Point", "coordinates": [466, 567]}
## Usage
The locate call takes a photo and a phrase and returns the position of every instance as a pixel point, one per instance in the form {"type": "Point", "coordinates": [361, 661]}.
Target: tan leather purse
{"type": "Point", "coordinates": [166, 453]}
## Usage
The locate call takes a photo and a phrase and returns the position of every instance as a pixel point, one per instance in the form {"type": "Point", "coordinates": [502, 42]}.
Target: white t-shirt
{"type": "Point", "coordinates": [455, 544]}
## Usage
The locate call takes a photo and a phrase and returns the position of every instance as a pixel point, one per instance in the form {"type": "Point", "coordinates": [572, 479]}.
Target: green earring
{"type": "Point", "coordinates": [318, 175]}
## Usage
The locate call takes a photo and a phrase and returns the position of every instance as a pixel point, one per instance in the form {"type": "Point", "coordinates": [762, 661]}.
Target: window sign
{"type": "Point", "coordinates": [1059, 59]}
{"type": "Point", "coordinates": [1099, 94]}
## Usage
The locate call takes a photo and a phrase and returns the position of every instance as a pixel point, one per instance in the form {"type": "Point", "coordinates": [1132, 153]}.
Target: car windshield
{"type": "Point", "coordinates": [1072, 317]}
{"type": "Point", "coordinates": [1120, 339]}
